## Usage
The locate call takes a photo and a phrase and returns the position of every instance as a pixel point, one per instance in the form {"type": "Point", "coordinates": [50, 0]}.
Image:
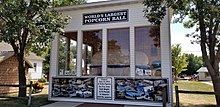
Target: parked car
{"type": "Point", "coordinates": [194, 77]}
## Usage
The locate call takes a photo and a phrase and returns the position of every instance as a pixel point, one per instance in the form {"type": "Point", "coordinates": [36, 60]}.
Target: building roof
{"type": "Point", "coordinates": [202, 69]}
{"type": "Point", "coordinates": [28, 63]}
{"type": "Point", "coordinates": [4, 56]}
{"type": "Point", "coordinates": [5, 47]}
{"type": "Point", "coordinates": [104, 4]}
{"type": "Point", "coordinates": [6, 51]}
{"type": "Point", "coordinates": [34, 56]}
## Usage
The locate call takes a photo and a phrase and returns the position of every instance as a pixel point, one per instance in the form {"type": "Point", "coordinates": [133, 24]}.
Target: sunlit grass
{"type": "Point", "coordinates": [192, 100]}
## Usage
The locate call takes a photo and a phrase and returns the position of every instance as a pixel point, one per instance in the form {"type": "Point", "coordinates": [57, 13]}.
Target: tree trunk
{"type": "Point", "coordinates": [22, 78]}
{"type": "Point", "coordinates": [216, 86]}
{"type": "Point", "coordinates": [175, 78]}
{"type": "Point", "coordinates": [211, 61]}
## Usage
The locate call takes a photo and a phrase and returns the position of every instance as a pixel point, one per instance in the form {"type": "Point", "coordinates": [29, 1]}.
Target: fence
{"type": "Point", "coordinates": [30, 90]}
{"type": "Point", "coordinates": [177, 91]}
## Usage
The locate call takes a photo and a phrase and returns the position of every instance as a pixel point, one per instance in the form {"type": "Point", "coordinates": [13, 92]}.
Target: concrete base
{"type": "Point", "coordinates": [74, 104]}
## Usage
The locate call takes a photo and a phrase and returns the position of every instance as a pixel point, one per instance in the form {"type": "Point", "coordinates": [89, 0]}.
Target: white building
{"type": "Point", "coordinates": [35, 73]}
{"type": "Point", "coordinates": [203, 74]}
{"type": "Point", "coordinates": [110, 53]}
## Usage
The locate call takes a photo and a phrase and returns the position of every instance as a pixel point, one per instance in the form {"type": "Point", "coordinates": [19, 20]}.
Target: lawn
{"type": "Point", "coordinates": [38, 99]}
{"type": "Point", "coordinates": [195, 100]}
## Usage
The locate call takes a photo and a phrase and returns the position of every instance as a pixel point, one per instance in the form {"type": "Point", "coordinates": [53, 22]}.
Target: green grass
{"type": "Point", "coordinates": [195, 100]}
{"type": "Point", "coordinates": [13, 102]}
{"type": "Point", "coordinates": [194, 85]}
{"type": "Point", "coordinates": [38, 99]}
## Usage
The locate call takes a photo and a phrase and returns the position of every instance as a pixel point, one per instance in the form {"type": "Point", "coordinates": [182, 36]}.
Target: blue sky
{"type": "Point", "coordinates": [178, 33]}
{"type": "Point", "coordinates": [178, 36]}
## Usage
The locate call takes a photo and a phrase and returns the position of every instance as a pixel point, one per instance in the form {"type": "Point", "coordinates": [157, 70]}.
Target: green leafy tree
{"type": "Point", "coordinates": [59, 3]}
{"type": "Point", "coordinates": [202, 14]}
{"type": "Point", "coordinates": [27, 24]}
{"type": "Point", "coordinates": [62, 53]}
{"type": "Point", "coordinates": [195, 62]}
{"type": "Point", "coordinates": [179, 60]}
{"type": "Point", "coordinates": [46, 52]}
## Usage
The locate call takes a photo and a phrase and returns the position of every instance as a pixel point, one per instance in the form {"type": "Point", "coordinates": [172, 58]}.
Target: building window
{"type": "Point", "coordinates": [92, 53]}
{"type": "Point", "coordinates": [67, 54]}
{"type": "Point", "coordinates": [118, 52]}
{"type": "Point", "coordinates": [35, 67]}
{"type": "Point", "coordinates": [147, 51]}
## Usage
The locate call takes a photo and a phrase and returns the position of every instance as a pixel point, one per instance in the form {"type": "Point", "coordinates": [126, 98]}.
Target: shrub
{"type": "Point", "coordinates": [42, 80]}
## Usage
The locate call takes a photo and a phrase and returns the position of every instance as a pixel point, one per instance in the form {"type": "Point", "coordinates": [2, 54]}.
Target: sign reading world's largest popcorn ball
{"type": "Point", "coordinates": [105, 17]}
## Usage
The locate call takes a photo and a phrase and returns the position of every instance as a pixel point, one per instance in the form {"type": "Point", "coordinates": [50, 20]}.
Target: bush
{"type": "Point", "coordinates": [42, 80]}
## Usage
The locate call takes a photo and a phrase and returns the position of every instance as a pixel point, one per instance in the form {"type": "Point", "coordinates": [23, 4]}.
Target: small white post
{"type": "Point", "coordinates": [30, 92]}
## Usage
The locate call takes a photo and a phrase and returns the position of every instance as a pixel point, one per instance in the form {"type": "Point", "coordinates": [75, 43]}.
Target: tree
{"type": "Point", "coordinates": [59, 3]}
{"type": "Point", "coordinates": [204, 15]}
{"type": "Point", "coordinates": [26, 24]}
{"type": "Point", "coordinates": [195, 62]}
{"type": "Point", "coordinates": [179, 60]}
{"type": "Point", "coordinates": [45, 53]}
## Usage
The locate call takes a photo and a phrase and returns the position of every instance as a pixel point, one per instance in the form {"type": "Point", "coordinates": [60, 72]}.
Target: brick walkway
{"type": "Point", "coordinates": [98, 105]}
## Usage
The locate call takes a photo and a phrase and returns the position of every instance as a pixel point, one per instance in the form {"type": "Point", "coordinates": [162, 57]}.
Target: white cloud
{"type": "Point", "coordinates": [178, 36]}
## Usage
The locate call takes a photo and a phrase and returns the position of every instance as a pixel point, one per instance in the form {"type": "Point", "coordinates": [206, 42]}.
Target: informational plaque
{"type": "Point", "coordinates": [104, 88]}
{"type": "Point", "coordinates": [104, 17]}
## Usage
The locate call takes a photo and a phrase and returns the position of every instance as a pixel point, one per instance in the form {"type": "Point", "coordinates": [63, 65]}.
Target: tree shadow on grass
{"type": "Point", "coordinates": [36, 101]}
{"type": "Point", "coordinates": [8, 101]}
{"type": "Point", "coordinates": [40, 100]}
